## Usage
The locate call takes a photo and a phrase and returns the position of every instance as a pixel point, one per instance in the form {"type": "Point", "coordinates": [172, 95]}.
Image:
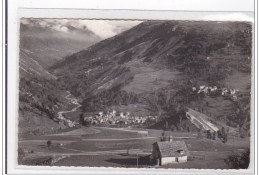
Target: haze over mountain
{"type": "Point", "coordinates": [47, 43]}
{"type": "Point", "coordinates": [153, 68]}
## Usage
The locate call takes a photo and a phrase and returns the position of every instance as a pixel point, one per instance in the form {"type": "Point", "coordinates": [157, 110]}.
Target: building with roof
{"type": "Point", "coordinates": [170, 152]}
{"type": "Point", "coordinates": [201, 120]}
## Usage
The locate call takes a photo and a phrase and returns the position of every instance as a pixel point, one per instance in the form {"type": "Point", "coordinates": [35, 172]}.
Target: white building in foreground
{"type": "Point", "coordinates": [170, 152]}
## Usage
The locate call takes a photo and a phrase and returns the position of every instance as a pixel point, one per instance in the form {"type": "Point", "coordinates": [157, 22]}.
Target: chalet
{"type": "Point", "coordinates": [170, 152]}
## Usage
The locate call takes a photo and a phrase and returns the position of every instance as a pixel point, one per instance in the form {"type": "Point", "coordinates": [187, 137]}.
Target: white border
{"type": "Point", "coordinates": [22, 8]}
{"type": "Point", "coordinates": [177, 5]}
{"type": "Point", "coordinates": [135, 14]}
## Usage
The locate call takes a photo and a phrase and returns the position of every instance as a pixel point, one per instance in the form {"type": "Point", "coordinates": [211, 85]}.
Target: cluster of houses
{"type": "Point", "coordinates": [114, 118]}
{"type": "Point", "coordinates": [229, 93]}
{"type": "Point", "coordinates": [208, 90]}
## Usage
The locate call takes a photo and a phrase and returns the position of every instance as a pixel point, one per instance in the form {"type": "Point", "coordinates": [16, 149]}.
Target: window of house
{"type": "Point", "coordinates": [180, 151]}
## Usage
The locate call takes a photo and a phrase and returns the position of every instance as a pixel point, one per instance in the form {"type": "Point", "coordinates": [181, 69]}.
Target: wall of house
{"type": "Point", "coordinates": [168, 160]}
{"type": "Point", "coordinates": [156, 153]}
{"type": "Point", "coordinates": [182, 159]}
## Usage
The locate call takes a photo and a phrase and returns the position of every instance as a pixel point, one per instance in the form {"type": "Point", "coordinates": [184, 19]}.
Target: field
{"type": "Point", "coordinates": [119, 147]}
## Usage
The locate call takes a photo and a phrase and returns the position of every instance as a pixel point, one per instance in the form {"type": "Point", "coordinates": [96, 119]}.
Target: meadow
{"type": "Point", "coordinates": [121, 147]}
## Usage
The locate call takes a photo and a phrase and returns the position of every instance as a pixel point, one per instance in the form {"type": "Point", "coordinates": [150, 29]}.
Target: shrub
{"type": "Point", "coordinates": [239, 161]}
{"type": "Point", "coordinates": [49, 143]}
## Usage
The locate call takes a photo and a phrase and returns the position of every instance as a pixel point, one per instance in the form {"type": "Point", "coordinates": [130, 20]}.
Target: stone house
{"type": "Point", "coordinates": [170, 152]}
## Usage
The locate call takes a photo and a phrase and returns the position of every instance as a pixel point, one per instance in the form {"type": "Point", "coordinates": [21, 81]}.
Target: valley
{"type": "Point", "coordinates": [87, 101]}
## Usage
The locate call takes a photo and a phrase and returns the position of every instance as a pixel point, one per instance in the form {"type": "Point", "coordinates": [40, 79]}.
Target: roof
{"type": "Point", "coordinates": [202, 119]}
{"type": "Point", "coordinates": [173, 148]}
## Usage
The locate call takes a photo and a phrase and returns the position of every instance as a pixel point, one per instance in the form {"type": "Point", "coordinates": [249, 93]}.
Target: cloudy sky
{"type": "Point", "coordinates": [102, 28]}
{"type": "Point", "coordinates": [108, 28]}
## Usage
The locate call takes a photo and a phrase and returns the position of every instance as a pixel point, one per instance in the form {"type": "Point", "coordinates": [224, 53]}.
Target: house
{"type": "Point", "coordinates": [224, 91]}
{"type": "Point", "coordinates": [138, 120]}
{"type": "Point", "coordinates": [113, 113]}
{"type": "Point", "coordinates": [203, 89]}
{"type": "Point", "coordinates": [122, 114]}
{"type": "Point", "coordinates": [170, 152]}
{"type": "Point", "coordinates": [100, 113]}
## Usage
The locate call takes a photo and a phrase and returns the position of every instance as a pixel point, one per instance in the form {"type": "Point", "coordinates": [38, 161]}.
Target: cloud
{"type": "Point", "coordinates": [25, 21]}
{"type": "Point", "coordinates": [102, 28]}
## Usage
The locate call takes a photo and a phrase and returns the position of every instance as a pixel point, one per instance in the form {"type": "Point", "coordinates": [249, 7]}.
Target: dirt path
{"type": "Point", "coordinates": [135, 138]}
{"type": "Point", "coordinates": [91, 153]}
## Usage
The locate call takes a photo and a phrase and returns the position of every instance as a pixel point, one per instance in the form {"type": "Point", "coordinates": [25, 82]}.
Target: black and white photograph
{"type": "Point", "coordinates": [171, 94]}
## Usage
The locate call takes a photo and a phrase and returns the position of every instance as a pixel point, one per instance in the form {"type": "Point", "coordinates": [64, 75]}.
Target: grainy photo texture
{"type": "Point", "coordinates": [134, 94]}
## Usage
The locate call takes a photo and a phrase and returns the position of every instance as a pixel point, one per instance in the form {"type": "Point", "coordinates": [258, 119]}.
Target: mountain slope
{"type": "Point", "coordinates": [40, 95]}
{"type": "Point", "coordinates": [48, 46]}
{"type": "Point", "coordinates": [157, 64]}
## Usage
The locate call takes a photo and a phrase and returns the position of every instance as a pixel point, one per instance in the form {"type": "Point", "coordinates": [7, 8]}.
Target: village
{"type": "Point", "coordinates": [214, 90]}
{"type": "Point", "coordinates": [113, 118]}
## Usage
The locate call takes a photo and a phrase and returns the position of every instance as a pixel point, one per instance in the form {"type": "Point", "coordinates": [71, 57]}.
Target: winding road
{"type": "Point", "coordinates": [60, 114]}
